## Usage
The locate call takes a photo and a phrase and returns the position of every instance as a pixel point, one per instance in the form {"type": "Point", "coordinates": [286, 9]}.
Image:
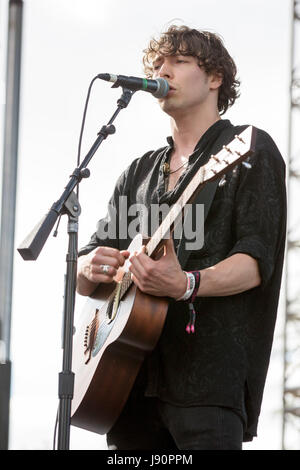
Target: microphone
{"type": "Point", "coordinates": [159, 87]}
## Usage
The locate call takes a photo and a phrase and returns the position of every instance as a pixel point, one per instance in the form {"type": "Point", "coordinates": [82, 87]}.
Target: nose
{"type": "Point", "coordinates": [165, 70]}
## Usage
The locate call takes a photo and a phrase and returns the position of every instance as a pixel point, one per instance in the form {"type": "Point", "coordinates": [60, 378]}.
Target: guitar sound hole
{"type": "Point", "coordinates": [109, 310]}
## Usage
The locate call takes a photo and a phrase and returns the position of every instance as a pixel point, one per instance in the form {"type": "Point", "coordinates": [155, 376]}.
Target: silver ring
{"type": "Point", "coordinates": [104, 268]}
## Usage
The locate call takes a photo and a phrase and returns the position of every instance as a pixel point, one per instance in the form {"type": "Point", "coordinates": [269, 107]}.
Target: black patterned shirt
{"type": "Point", "coordinates": [225, 361]}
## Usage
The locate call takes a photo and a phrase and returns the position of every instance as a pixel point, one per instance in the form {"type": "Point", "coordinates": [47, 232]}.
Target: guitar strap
{"type": "Point", "coordinates": [205, 196]}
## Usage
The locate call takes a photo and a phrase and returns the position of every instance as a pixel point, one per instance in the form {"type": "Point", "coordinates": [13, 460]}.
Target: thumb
{"type": "Point", "coordinates": [169, 246]}
{"type": "Point", "coordinates": [125, 253]}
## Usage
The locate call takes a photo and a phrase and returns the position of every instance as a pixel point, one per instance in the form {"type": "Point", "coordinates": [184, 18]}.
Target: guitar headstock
{"type": "Point", "coordinates": [241, 147]}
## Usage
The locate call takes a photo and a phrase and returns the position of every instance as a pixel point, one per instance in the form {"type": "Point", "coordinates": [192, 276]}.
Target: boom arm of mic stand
{"type": "Point", "coordinates": [32, 245]}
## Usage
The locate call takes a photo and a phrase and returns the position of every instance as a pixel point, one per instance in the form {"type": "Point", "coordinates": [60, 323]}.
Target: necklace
{"type": "Point", "coordinates": [167, 170]}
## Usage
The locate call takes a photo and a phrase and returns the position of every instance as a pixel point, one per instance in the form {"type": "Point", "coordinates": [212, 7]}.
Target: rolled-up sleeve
{"type": "Point", "coordinates": [259, 221]}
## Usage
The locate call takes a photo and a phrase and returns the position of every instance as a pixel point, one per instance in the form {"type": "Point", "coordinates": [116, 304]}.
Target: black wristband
{"type": "Point", "coordinates": [197, 276]}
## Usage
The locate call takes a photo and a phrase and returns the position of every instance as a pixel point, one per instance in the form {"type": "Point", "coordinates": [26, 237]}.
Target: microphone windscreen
{"type": "Point", "coordinates": [163, 88]}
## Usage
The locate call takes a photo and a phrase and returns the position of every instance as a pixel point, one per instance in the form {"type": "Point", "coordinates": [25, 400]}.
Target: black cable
{"type": "Point", "coordinates": [82, 125]}
{"type": "Point", "coordinates": [55, 429]}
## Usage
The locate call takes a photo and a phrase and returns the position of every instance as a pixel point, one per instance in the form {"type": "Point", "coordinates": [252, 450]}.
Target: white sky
{"type": "Point", "coordinates": [65, 44]}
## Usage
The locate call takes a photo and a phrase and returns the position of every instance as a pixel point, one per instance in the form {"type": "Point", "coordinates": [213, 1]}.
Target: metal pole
{"type": "Point", "coordinates": [291, 389]}
{"type": "Point", "coordinates": [9, 182]}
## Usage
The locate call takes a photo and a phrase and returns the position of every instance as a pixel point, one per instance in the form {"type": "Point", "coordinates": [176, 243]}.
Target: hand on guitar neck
{"type": "Point", "coordinates": [161, 278]}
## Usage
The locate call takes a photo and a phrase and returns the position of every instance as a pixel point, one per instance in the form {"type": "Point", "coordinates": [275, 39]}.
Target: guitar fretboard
{"type": "Point", "coordinates": [228, 157]}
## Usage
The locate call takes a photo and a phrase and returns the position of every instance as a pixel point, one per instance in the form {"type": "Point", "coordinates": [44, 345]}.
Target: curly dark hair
{"type": "Point", "coordinates": [210, 52]}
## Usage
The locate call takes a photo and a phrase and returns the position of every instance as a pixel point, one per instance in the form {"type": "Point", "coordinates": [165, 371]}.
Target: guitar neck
{"type": "Point", "coordinates": [237, 150]}
{"type": "Point", "coordinates": [174, 215]}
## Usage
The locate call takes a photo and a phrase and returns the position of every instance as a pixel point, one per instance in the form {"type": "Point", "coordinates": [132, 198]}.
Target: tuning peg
{"type": "Point", "coordinates": [239, 138]}
{"type": "Point", "coordinates": [228, 149]}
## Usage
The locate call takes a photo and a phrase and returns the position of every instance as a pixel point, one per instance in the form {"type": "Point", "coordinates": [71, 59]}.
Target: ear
{"type": "Point", "coordinates": [216, 81]}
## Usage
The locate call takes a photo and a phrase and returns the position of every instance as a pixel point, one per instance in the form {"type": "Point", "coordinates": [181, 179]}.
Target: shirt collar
{"type": "Point", "coordinates": [211, 131]}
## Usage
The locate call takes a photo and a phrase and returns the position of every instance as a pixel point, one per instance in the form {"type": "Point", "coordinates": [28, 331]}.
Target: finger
{"type": "Point", "coordinates": [142, 260]}
{"type": "Point", "coordinates": [93, 274]}
{"type": "Point", "coordinates": [106, 251]}
{"type": "Point", "coordinates": [169, 243]}
{"type": "Point", "coordinates": [137, 282]}
{"type": "Point", "coordinates": [122, 256]}
{"type": "Point", "coordinates": [125, 254]}
{"type": "Point", "coordinates": [104, 270]}
{"type": "Point", "coordinates": [136, 266]}
{"type": "Point", "coordinates": [105, 260]}
{"type": "Point", "coordinates": [113, 253]}
{"type": "Point", "coordinates": [169, 248]}
{"type": "Point", "coordinates": [164, 247]}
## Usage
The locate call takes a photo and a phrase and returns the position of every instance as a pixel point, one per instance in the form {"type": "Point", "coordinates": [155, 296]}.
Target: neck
{"type": "Point", "coordinates": [187, 129]}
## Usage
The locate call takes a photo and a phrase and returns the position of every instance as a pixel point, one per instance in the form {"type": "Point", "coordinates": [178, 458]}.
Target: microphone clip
{"type": "Point", "coordinates": [125, 98]}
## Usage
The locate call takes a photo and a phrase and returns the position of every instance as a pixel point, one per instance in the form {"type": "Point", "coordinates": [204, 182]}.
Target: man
{"type": "Point", "coordinates": [200, 390]}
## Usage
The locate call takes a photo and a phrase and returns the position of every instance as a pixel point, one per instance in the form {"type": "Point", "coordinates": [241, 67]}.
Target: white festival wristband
{"type": "Point", "coordinates": [190, 286]}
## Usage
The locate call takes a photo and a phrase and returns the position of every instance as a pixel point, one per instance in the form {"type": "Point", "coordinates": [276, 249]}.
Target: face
{"type": "Point", "coordinates": [190, 86]}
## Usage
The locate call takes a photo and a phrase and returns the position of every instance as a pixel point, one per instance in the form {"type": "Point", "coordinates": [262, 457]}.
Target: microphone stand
{"type": "Point", "coordinates": [30, 249]}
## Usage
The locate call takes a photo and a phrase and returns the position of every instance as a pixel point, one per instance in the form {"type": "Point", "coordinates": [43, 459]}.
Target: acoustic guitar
{"type": "Point", "coordinates": [120, 324]}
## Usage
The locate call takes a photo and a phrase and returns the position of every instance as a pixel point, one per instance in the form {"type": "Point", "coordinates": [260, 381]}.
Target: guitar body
{"type": "Point", "coordinates": [108, 353]}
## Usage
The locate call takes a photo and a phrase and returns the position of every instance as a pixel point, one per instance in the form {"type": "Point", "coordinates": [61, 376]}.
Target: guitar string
{"type": "Point", "coordinates": [127, 281]}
